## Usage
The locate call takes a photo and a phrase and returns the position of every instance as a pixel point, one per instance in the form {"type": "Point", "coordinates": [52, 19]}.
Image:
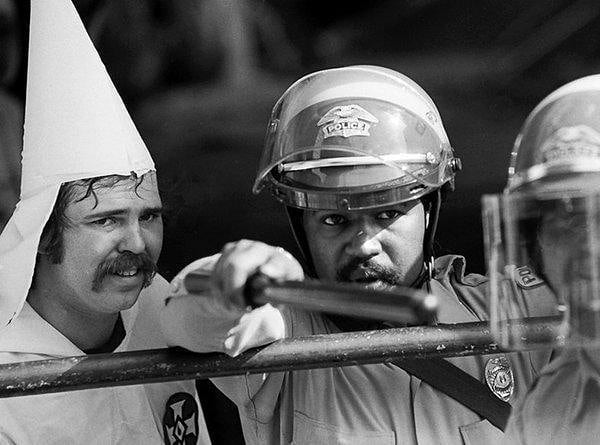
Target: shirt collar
{"type": "Point", "coordinates": [29, 333]}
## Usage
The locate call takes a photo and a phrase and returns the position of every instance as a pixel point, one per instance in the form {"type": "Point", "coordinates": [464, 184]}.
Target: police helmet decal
{"type": "Point", "coordinates": [571, 143]}
{"type": "Point", "coordinates": [346, 121]}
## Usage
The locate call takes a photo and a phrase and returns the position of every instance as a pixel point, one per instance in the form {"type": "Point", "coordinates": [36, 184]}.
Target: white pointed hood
{"type": "Point", "coordinates": [76, 126]}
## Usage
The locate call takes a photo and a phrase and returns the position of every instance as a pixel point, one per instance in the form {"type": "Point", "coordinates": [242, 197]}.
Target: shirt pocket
{"type": "Point", "coordinates": [314, 432]}
{"type": "Point", "coordinates": [481, 432]}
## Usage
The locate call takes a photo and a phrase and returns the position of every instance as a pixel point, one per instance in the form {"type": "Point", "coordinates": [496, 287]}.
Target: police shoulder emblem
{"type": "Point", "coordinates": [180, 421]}
{"type": "Point", "coordinates": [346, 121]}
{"type": "Point", "coordinates": [526, 279]}
{"type": "Point", "coordinates": [499, 377]}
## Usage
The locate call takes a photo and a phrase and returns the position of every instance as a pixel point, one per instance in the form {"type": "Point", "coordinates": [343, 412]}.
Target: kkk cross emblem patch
{"type": "Point", "coordinates": [499, 377]}
{"type": "Point", "coordinates": [346, 121]}
{"type": "Point", "coordinates": [180, 422]}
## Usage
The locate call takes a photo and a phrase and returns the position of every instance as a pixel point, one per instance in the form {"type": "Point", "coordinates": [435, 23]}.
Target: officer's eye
{"type": "Point", "coordinates": [333, 220]}
{"type": "Point", "coordinates": [389, 214]}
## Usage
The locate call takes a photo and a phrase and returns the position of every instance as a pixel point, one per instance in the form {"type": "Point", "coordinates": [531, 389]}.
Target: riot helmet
{"type": "Point", "coordinates": [354, 138]}
{"type": "Point", "coordinates": [544, 230]}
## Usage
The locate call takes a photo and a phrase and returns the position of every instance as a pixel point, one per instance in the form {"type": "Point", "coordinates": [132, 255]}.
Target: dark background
{"type": "Point", "coordinates": [200, 77]}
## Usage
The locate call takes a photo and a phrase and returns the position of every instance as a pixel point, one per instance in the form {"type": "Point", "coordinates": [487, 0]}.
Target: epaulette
{"type": "Point", "coordinates": [526, 278]}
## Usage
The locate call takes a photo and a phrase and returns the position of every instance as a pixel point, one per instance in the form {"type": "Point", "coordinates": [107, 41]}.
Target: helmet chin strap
{"type": "Point", "coordinates": [432, 203]}
{"type": "Point", "coordinates": [295, 219]}
{"type": "Point", "coordinates": [425, 276]}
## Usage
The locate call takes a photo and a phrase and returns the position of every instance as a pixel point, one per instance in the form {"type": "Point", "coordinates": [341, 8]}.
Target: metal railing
{"type": "Point", "coordinates": [318, 351]}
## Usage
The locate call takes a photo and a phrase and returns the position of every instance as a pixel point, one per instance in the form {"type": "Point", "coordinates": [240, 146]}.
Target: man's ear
{"type": "Point", "coordinates": [43, 246]}
{"type": "Point", "coordinates": [46, 248]}
{"type": "Point", "coordinates": [42, 250]}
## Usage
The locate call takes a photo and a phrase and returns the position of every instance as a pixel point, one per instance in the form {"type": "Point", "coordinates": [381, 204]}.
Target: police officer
{"type": "Point", "coordinates": [549, 219]}
{"type": "Point", "coordinates": [361, 160]}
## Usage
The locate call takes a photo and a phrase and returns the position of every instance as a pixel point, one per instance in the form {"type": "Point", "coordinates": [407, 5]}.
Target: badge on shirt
{"type": "Point", "coordinates": [180, 422]}
{"type": "Point", "coordinates": [499, 377]}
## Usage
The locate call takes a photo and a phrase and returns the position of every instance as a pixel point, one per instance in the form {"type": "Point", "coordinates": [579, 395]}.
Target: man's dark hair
{"type": "Point", "coordinates": [51, 241]}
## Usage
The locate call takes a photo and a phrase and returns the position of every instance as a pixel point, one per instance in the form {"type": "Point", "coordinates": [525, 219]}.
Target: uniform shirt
{"type": "Point", "coordinates": [371, 404]}
{"type": "Point", "coordinates": [140, 414]}
{"type": "Point", "coordinates": [563, 407]}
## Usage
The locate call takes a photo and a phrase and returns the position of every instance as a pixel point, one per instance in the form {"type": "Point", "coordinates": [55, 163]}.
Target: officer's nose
{"type": "Point", "coordinates": [364, 243]}
{"type": "Point", "coordinates": [132, 240]}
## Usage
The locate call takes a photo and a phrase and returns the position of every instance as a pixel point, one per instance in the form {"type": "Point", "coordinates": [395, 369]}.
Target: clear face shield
{"type": "Point", "coordinates": [550, 243]}
{"type": "Point", "coordinates": [353, 139]}
{"type": "Point", "coordinates": [542, 235]}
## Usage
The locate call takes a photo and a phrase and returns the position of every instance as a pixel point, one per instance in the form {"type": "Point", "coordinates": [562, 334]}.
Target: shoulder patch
{"type": "Point", "coordinates": [180, 421]}
{"type": "Point", "coordinates": [526, 279]}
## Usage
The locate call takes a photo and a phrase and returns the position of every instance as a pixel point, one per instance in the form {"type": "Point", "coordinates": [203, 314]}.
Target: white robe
{"type": "Point", "coordinates": [112, 415]}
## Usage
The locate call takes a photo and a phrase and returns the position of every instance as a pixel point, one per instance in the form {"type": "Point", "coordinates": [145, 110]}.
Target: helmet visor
{"type": "Point", "coordinates": [355, 145]}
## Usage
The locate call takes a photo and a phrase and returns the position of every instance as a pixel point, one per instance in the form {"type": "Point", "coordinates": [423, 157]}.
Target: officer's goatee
{"type": "Point", "coordinates": [368, 271]}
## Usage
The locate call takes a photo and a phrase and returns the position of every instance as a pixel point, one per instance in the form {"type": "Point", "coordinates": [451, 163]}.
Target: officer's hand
{"type": "Point", "coordinates": [200, 323]}
{"type": "Point", "coordinates": [241, 259]}
{"type": "Point", "coordinates": [205, 322]}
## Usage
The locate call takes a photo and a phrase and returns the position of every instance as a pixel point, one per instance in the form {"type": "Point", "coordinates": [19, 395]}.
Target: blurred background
{"type": "Point", "coordinates": [200, 77]}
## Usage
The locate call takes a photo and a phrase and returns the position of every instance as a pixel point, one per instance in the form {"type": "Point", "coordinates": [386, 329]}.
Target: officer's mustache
{"type": "Point", "coordinates": [125, 262]}
{"type": "Point", "coordinates": [369, 271]}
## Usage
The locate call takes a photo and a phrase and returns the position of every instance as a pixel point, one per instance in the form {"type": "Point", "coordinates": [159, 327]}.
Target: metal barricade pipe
{"type": "Point", "coordinates": [318, 351]}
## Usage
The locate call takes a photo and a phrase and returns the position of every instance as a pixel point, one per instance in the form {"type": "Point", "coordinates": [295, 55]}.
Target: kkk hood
{"type": "Point", "coordinates": [76, 127]}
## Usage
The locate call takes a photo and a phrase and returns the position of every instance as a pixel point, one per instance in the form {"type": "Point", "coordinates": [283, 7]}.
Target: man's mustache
{"type": "Point", "coordinates": [369, 271]}
{"type": "Point", "coordinates": [125, 262]}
